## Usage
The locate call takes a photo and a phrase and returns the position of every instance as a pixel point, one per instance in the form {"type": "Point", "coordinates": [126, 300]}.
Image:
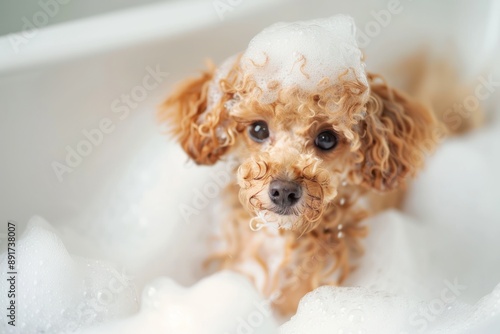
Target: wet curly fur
{"type": "Point", "coordinates": [383, 137]}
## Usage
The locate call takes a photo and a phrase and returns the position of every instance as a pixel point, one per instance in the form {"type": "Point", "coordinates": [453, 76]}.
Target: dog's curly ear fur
{"type": "Point", "coordinates": [395, 137]}
{"type": "Point", "coordinates": [204, 134]}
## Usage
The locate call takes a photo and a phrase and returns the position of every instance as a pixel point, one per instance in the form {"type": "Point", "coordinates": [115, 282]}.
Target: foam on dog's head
{"type": "Point", "coordinates": [306, 54]}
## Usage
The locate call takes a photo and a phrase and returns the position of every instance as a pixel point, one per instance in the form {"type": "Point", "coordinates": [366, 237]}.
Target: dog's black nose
{"type": "Point", "coordinates": [284, 193]}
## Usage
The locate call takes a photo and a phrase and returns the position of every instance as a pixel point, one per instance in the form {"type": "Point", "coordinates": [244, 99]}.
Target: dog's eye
{"type": "Point", "coordinates": [259, 131]}
{"type": "Point", "coordinates": [326, 140]}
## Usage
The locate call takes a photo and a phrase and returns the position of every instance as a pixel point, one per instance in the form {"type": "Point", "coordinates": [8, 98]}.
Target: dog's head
{"type": "Point", "coordinates": [297, 148]}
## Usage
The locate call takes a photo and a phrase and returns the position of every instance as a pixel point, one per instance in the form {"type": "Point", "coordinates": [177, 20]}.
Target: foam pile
{"type": "Point", "coordinates": [220, 304]}
{"type": "Point", "coordinates": [148, 218]}
{"type": "Point", "coordinates": [361, 310]}
{"type": "Point", "coordinates": [304, 54]}
{"type": "Point", "coordinates": [60, 293]}
{"type": "Point", "coordinates": [456, 199]}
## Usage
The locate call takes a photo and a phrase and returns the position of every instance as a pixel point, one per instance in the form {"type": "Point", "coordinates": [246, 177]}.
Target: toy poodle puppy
{"type": "Point", "coordinates": [318, 142]}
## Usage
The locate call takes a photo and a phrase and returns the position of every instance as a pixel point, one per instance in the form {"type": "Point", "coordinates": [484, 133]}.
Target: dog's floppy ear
{"type": "Point", "coordinates": [204, 132]}
{"type": "Point", "coordinates": [395, 135]}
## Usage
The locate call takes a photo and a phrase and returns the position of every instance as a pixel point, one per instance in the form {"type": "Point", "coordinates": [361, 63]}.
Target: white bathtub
{"type": "Point", "coordinates": [67, 79]}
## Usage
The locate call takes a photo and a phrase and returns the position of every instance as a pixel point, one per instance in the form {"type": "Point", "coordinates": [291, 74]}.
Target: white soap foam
{"type": "Point", "coordinates": [303, 54]}
{"type": "Point", "coordinates": [361, 310]}
{"type": "Point", "coordinates": [220, 304]}
{"type": "Point", "coordinates": [348, 310]}
{"type": "Point", "coordinates": [404, 272]}
{"type": "Point", "coordinates": [214, 90]}
{"type": "Point", "coordinates": [57, 292]}
{"type": "Point", "coordinates": [456, 198]}
{"type": "Point", "coordinates": [152, 223]}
